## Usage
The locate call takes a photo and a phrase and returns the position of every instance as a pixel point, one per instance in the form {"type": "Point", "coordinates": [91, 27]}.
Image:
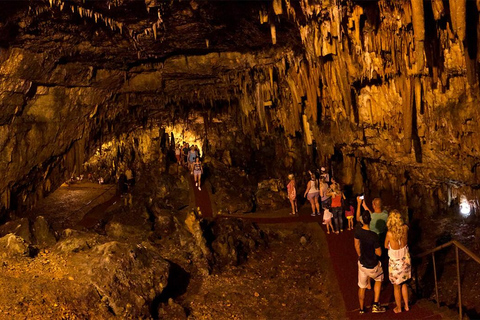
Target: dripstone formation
{"type": "Point", "coordinates": [387, 91]}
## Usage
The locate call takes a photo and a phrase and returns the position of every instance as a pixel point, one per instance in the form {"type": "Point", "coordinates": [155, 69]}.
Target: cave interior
{"type": "Point", "coordinates": [382, 94]}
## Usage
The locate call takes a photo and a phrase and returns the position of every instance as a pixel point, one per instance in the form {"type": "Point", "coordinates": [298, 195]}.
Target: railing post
{"type": "Point", "coordinates": [459, 286]}
{"type": "Point", "coordinates": [436, 283]}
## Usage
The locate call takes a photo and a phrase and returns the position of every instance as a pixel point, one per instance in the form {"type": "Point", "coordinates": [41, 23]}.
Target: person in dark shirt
{"type": "Point", "coordinates": [369, 251]}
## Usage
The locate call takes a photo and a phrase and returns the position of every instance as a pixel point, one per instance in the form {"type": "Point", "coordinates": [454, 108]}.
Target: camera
{"type": "Point", "coordinates": [362, 197]}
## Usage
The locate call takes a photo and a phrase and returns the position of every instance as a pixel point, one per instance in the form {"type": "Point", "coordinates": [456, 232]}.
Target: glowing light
{"type": "Point", "coordinates": [465, 207]}
{"type": "Point", "coordinates": [188, 136]}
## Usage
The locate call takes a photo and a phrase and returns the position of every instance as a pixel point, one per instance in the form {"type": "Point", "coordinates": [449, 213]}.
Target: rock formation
{"type": "Point", "coordinates": [387, 89]}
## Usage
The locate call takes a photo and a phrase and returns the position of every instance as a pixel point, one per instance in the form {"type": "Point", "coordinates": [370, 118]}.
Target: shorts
{"type": "Point", "coordinates": [313, 195]}
{"type": "Point", "coordinates": [197, 173]}
{"type": "Point", "coordinates": [364, 274]}
{"type": "Point", "coordinates": [349, 217]}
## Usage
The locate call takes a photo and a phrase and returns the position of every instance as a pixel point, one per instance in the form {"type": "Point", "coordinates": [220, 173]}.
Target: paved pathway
{"type": "Point", "coordinates": [344, 259]}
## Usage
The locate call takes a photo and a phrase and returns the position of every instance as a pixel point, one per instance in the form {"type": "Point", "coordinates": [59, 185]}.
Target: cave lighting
{"type": "Point", "coordinates": [188, 136]}
{"type": "Point", "coordinates": [465, 207]}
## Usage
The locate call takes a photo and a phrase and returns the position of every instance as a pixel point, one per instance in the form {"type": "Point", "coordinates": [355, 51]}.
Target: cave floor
{"type": "Point", "coordinates": [288, 280]}
{"type": "Point", "coordinates": [69, 204]}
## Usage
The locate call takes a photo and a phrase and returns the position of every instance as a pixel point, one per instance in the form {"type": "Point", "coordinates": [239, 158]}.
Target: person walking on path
{"type": "Point", "coordinates": [399, 264]}
{"type": "Point", "coordinates": [325, 198]}
{"type": "Point", "coordinates": [325, 175]}
{"type": "Point", "coordinates": [292, 193]}
{"type": "Point", "coordinates": [369, 251]}
{"type": "Point", "coordinates": [197, 173]}
{"type": "Point", "coordinates": [337, 195]}
{"type": "Point", "coordinates": [185, 150]}
{"type": "Point", "coordinates": [191, 159]}
{"type": "Point", "coordinates": [178, 154]}
{"type": "Point", "coordinates": [312, 193]}
{"type": "Point", "coordinates": [327, 220]}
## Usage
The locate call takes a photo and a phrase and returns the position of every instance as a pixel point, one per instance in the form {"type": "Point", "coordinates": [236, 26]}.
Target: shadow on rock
{"type": "Point", "coordinates": [177, 284]}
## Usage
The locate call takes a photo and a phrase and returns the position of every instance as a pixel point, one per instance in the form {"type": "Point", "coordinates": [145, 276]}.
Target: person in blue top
{"type": "Point", "coordinates": [191, 159]}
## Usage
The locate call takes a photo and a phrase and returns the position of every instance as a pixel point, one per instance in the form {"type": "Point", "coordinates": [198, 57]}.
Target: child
{"type": "Point", "coordinates": [327, 219]}
{"type": "Point", "coordinates": [349, 214]}
{"type": "Point", "coordinates": [292, 194]}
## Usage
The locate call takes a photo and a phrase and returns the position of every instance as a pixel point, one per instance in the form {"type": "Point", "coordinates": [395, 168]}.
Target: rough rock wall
{"type": "Point", "coordinates": [392, 84]}
{"type": "Point", "coordinates": [390, 88]}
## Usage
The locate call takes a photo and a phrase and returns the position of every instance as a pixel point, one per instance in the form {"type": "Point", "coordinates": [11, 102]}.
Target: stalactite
{"type": "Point", "coordinates": [277, 7]}
{"type": "Point", "coordinates": [273, 33]}
{"type": "Point", "coordinates": [418, 94]}
{"type": "Point", "coordinates": [461, 19]}
{"type": "Point", "coordinates": [307, 131]}
{"type": "Point", "coordinates": [407, 114]}
{"type": "Point", "coordinates": [453, 14]}
{"type": "Point", "coordinates": [357, 13]}
{"type": "Point", "coordinates": [6, 199]}
{"type": "Point", "coordinates": [263, 14]}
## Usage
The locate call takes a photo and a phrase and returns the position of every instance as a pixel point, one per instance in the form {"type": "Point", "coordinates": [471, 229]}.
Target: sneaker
{"type": "Point", "coordinates": [196, 184]}
{"type": "Point", "coordinates": [313, 214]}
{"type": "Point", "coordinates": [377, 308]}
{"type": "Point", "coordinates": [362, 311]}
{"type": "Point", "coordinates": [199, 188]}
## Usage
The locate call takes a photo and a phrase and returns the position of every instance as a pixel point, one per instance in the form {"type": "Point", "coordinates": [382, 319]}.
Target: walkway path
{"type": "Point", "coordinates": [202, 199]}
{"type": "Point", "coordinates": [344, 259]}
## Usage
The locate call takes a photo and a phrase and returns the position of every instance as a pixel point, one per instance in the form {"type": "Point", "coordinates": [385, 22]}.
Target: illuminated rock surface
{"type": "Point", "coordinates": [385, 93]}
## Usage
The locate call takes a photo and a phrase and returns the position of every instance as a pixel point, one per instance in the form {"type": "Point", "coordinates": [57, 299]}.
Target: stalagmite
{"type": "Point", "coordinates": [419, 32]}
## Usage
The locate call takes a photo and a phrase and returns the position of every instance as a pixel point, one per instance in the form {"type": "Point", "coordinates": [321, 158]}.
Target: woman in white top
{"type": "Point", "coordinates": [312, 193]}
{"type": "Point", "coordinates": [399, 265]}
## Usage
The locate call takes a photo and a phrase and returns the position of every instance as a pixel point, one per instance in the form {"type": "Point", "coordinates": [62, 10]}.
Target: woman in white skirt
{"type": "Point", "coordinates": [399, 265]}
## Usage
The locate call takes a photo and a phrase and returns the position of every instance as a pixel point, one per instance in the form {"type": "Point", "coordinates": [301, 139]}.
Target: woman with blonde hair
{"type": "Point", "coordinates": [399, 265]}
{"type": "Point", "coordinates": [313, 192]}
{"type": "Point", "coordinates": [292, 194]}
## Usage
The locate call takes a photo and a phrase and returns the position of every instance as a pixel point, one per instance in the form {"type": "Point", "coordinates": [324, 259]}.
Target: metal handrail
{"type": "Point", "coordinates": [457, 245]}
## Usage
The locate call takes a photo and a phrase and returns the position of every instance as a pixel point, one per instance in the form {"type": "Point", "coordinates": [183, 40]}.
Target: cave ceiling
{"type": "Point", "coordinates": [185, 42]}
{"type": "Point", "coordinates": [393, 83]}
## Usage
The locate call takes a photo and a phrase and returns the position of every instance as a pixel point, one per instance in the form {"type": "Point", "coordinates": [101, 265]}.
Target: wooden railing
{"type": "Point", "coordinates": [457, 245]}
